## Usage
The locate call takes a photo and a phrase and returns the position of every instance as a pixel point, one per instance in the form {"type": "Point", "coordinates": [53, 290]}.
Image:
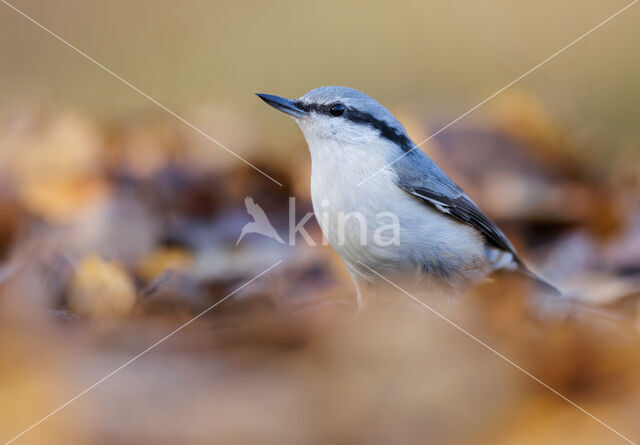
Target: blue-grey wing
{"type": "Point", "coordinates": [418, 175]}
{"type": "Point", "coordinates": [421, 177]}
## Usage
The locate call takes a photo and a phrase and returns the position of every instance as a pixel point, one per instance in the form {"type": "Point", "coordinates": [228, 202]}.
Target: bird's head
{"type": "Point", "coordinates": [342, 117]}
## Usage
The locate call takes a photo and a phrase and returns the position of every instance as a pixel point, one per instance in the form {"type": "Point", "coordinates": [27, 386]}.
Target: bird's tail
{"type": "Point", "coordinates": [543, 284]}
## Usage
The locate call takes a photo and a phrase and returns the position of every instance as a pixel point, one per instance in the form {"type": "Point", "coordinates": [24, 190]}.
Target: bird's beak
{"type": "Point", "coordinates": [283, 104]}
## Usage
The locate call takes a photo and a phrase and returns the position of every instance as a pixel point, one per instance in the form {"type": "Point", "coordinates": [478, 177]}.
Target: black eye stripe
{"type": "Point", "coordinates": [386, 131]}
{"type": "Point", "coordinates": [362, 118]}
{"type": "Point", "coordinates": [318, 108]}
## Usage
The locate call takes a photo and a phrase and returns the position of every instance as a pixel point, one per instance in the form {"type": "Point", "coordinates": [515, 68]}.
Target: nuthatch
{"type": "Point", "coordinates": [364, 164]}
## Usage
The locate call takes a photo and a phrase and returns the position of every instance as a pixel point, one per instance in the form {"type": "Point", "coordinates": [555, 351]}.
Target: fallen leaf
{"type": "Point", "coordinates": [101, 288]}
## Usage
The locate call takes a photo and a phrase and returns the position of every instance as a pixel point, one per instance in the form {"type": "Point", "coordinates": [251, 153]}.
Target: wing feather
{"type": "Point", "coordinates": [418, 175]}
{"type": "Point", "coordinates": [459, 206]}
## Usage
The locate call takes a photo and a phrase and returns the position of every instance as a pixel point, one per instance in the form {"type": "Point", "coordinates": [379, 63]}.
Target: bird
{"type": "Point", "coordinates": [364, 165]}
{"type": "Point", "coordinates": [260, 223]}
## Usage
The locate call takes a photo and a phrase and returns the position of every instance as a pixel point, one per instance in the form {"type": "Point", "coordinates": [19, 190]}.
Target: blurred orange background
{"type": "Point", "coordinates": [118, 223]}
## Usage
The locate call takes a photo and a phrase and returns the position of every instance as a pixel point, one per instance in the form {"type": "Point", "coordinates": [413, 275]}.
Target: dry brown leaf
{"type": "Point", "coordinates": [101, 288]}
{"type": "Point", "coordinates": [61, 200]}
{"type": "Point", "coordinates": [161, 260]}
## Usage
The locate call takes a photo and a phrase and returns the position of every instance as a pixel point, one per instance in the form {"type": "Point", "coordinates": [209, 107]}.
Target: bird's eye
{"type": "Point", "coordinates": [337, 110]}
